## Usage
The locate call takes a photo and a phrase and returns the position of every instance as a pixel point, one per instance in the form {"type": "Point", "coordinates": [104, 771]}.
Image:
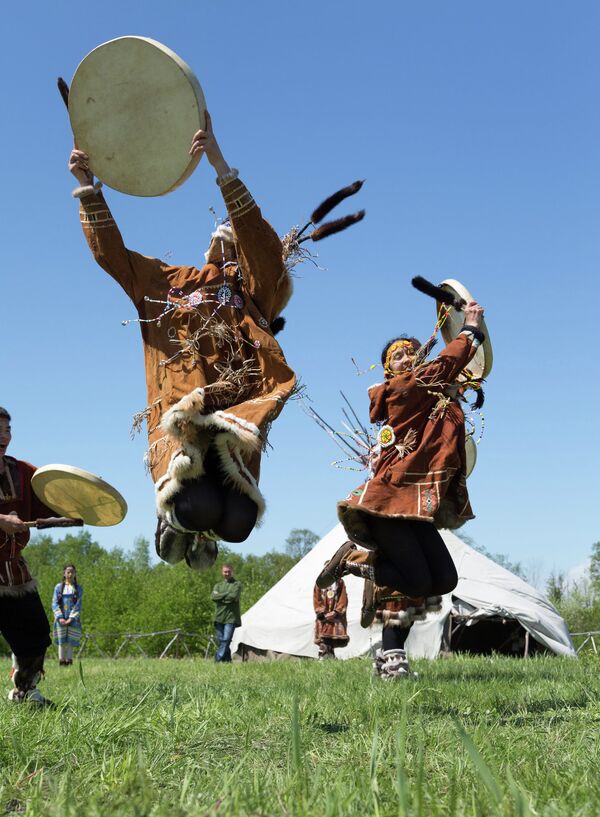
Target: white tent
{"type": "Point", "coordinates": [283, 619]}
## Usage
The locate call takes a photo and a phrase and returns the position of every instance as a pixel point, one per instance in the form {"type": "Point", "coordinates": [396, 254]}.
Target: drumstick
{"type": "Point", "coordinates": [63, 89]}
{"type": "Point", "coordinates": [55, 522]}
{"type": "Point", "coordinates": [440, 294]}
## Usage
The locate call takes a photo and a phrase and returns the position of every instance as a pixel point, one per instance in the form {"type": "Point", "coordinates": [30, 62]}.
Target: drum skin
{"type": "Point", "coordinates": [78, 494]}
{"type": "Point", "coordinates": [481, 362]}
{"type": "Point", "coordinates": [471, 454]}
{"type": "Point", "coordinates": [134, 106]}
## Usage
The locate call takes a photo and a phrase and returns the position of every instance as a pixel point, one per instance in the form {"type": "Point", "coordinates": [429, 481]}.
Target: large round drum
{"type": "Point", "coordinates": [78, 494]}
{"type": "Point", "coordinates": [134, 106]}
{"type": "Point", "coordinates": [481, 363]}
{"type": "Point", "coordinates": [471, 453]}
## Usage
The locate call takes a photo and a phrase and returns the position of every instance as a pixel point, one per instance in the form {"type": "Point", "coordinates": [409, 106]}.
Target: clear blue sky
{"type": "Point", "coordinates": [477, 128]}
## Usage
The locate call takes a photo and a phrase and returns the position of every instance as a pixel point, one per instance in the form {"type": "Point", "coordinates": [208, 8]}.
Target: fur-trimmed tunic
{"type": "Point", "coordinates": [15, 578]}
{"type": "Point", "coordinates": [333, 599]}
{"type": "Point", "coordinates": [421, 472]}
{"type": "Point", "coordinates": [215, 374]}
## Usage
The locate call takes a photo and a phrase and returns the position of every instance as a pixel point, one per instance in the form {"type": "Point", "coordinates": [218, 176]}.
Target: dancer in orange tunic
{"type": "Point", "coordinates": [215, 374]}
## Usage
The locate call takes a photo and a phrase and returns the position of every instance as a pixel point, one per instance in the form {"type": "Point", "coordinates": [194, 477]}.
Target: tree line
{"type": "Point", "coordinates": [129, 592]}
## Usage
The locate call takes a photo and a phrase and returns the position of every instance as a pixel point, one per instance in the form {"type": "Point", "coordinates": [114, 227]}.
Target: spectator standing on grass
{"type": "Point", "coordinates": [66, 606]}
{"type": "Point", "coordinates": [226, 595]}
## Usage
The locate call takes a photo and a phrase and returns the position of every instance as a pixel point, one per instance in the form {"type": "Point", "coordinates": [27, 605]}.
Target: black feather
{"type": "Point", "coordinates": [440, 294]}
{"type": "Point", "coordinates": [479, 400]}
{"type": "Point", "coordinates": [63, 89]}
{"type": "Point", "coordinates": [277, 325]}
{"type": "Point", "coordinates": [332, 227]}
{"type": "Point", "coordinates": [327, 206]}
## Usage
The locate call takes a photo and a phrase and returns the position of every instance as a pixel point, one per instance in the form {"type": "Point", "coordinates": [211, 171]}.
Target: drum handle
{"type": "Point", "coordinates": [439, 293]}
{"type": "Point", "coordinates": [55, 522]}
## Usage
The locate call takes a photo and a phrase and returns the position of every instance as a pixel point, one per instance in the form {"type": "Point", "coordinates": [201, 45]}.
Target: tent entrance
{"type": "Point", "coordinates": [484, 636]}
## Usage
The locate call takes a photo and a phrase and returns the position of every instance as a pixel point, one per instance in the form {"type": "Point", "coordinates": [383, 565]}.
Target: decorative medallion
{"type": "Point", "coordinates": [196, 298]}
{"type": "Point", "coordinates": [330, 594]}
{"type": "Point", "coordinates": [263, 322]}
{"type": "Point", "coordinates": [238, 301]}
{"type": "Point", "coordinates": [386, 436]}
{"type": "Point", "coordinates": [224, 295]}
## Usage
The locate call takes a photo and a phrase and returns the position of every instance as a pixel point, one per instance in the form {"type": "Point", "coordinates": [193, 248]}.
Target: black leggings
{"type": "Point", "coordinates": [207, 503]}
{"type": "Point", "coordinates": [412, 557]}
{"type": "Point", "coordinates": [24, 624]}
{"type": "Point", "coordinates": [394, 638]}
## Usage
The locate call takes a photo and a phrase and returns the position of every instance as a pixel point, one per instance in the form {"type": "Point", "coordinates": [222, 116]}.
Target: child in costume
{"type": "Point", "coordinates": [418, 481]}
{"type": "Point", "coordinates": [66, 607]}
{"type": "Point", "coordinates": [330, 606]}
{"type": "Point", "coordinates": [23, 621]}
{"type": "Point", "coordinates": [215, 374]}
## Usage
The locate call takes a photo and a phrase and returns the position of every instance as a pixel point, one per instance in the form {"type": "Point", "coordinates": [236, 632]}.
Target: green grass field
{"type": "Point", "coordinates": [471, 736]}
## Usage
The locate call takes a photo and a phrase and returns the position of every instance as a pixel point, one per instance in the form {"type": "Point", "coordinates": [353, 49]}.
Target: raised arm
{"type": "Point", "coordinates": [453, 359]}
{"type": "Point", "coordinates": [259, 246]}
{"type": "Point", "coordinates": [129, 269]}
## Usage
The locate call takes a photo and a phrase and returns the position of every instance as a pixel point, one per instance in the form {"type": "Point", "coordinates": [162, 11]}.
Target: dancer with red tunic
{"type": "Point", "coordinates": [23, 620]}
{"type": "Point", "coordinates": [418, 479]}
{"type": "Point", "coordinates": [331, 627]}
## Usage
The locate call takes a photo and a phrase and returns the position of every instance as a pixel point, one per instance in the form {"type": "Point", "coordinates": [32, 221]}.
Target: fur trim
{"type": "Point", "coordinates": [87, 190]}
{"type": "Point", "coordinates": [401, 618]}
{"type": "Point", "coordinates": [14, 590]}
{"type": "Point", "coordinates": [236, 471]}
{"type": "Point", "coordinates": [433, 604]}
{"type": "Point", "coordinates": [237, 437]}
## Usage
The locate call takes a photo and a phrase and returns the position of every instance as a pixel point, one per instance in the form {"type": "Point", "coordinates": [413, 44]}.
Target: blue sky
{"type": "Point", "coordinates": [477, 128]}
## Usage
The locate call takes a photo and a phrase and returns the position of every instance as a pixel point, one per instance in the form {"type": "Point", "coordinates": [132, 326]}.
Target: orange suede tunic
{"type": "Point", "coordinates": [216, 320]}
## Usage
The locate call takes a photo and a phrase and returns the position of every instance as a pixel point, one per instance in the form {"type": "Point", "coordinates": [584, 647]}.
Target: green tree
{"type": "Point", "coordinates": [556, 588]}
{"type": "Point", "coordinates": [299, 542]}
{"type": "Point", "coordinates": [595, 568]}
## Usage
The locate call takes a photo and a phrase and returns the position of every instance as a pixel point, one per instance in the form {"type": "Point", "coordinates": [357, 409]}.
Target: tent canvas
{"type": "Point", "coordinates": [283, 619]}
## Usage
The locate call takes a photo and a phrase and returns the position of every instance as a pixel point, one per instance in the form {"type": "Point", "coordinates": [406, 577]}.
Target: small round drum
{"type": "Point", "coordinates": [75, 493]}
{"type": "Point", "coordinates": [134, 106]}
{"type": "Point", "coordinates": [481, 363]}
{"type": "Point", "coordinates": [471, 452]}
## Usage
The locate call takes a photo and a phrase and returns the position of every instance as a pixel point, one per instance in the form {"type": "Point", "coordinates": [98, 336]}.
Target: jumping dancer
{"type": "Point", "coordinates": [418, 481]}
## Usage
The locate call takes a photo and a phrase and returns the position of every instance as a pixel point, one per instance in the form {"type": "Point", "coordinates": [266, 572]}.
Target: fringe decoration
{"type": "Point", "coordinates": [332, 201]}
{"type": "Point", "coordinates": [424, 351]}
{"type": "Point", "coordinates": [292, 253]}
{"type": "Point", "coordinates": [408, 443]}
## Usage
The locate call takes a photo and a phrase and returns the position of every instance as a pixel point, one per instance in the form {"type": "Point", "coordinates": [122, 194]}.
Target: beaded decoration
{"type": "Point", "coordinates": [386, 436]}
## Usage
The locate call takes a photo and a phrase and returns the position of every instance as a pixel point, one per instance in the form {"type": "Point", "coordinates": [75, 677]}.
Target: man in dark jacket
{"type": "Point", "coordinates": [226, 596]}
